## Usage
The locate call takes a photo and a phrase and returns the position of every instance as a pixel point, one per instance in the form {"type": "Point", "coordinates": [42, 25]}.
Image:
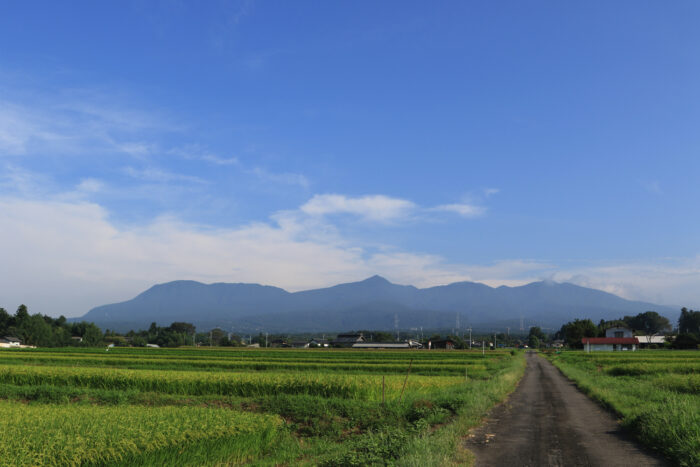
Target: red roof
{"type": "Point", "coordinates": [610, 340]}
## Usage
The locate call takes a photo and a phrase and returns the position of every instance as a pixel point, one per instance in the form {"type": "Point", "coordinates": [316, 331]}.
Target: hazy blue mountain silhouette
{"type": "Point", "coordinates": [369, 304]}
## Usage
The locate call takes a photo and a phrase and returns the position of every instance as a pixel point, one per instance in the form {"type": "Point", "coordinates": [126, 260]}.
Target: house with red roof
{"type": "Point", "coordinates": [616, 338]}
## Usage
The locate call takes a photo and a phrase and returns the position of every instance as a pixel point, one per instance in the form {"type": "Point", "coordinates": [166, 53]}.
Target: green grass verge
{"type": "Point", "coordinates": [662, 412]}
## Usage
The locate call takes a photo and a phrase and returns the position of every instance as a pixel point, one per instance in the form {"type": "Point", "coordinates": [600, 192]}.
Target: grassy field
{"type": "Point", "coordinates": [656, 393]}
{"type": "Point", "coordinates": [192, 406]}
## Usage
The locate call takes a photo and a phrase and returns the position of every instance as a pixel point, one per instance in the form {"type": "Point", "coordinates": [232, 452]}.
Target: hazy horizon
{"type": "Point", "coordinates": [304, 145]}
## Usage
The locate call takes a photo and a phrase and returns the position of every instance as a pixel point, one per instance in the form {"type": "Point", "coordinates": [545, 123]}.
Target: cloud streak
{"type": "Point", "coordinates": [377, 208]}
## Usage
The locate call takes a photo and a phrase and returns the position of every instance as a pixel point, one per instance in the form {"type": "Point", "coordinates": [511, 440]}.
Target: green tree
{"type": "Point", "coordinates": [217, 335]}
{"type": "Point", "coordinates": [533, 342]}
{"type": "Point", "coordinates": [21, 315]}
{"type": "Point", "coordinates": [92, 336]}
{"type": "Point", "coordinates": [537, 332]}
{"type": "Point", "coordinates": [650, 322]}
{"type": "Point", "coordinates": [573, 331]}
{"type": "Point", "coordinates": [5, 321]}
{"type": "Point", "coordinates": [36, 331]}
{"type": "Point", "coordinates": [689, 322]}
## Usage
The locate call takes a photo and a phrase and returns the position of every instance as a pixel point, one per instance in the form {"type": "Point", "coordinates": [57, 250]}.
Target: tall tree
{"type": "Point", "coordinates": [650, 322]}
{"type": "Point", "coordinates": [537, 332]}
{"type": "Point", "coordinates": [573, 331]}
{"type": "Point", "coordinates": [689, 322]}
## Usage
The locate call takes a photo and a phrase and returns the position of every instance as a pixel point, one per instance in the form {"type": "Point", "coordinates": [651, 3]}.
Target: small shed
{"type": "Point", "coordinates": [447, 344]}
{"type": "Point", "coordinates": [347, 340]}
{"type": "Point", "coordinates": [557, 343]}
{"type": "Point", "coordinates": [645, 341]}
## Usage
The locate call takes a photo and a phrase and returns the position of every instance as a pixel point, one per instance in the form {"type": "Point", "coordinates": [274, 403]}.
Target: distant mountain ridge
{"type": "Point", "coordinates": [369, 304]}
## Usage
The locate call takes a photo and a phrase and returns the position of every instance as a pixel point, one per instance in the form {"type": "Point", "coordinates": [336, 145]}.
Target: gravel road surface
{"type": "Point", "coordinates": [547, 421]}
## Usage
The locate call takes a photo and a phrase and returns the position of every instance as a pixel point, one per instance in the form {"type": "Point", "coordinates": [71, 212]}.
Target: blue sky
{"type": "Point", "coordinates": [303, 144]}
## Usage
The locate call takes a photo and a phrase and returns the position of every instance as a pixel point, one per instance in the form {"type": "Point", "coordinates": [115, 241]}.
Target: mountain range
{"type": "Point", "coordinates": [374, 303]}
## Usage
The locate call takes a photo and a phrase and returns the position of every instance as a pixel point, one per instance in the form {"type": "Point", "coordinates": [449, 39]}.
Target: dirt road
{"type": "Point", "coordinates": [547, 421]}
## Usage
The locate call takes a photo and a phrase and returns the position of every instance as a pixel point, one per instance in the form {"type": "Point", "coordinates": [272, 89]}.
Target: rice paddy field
{"type": "Point", "coordinates": [655, 392]}
{"type": "Point", "coordinates": [192, 406]}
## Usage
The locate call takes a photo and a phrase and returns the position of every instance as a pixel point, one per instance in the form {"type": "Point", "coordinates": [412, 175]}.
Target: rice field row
{"type": "Point", "coordinates": [211, 406]}
{"type": "Point", "coordinates": [79, 435]}
{"type": "Point", "coordinates": [478, 367]}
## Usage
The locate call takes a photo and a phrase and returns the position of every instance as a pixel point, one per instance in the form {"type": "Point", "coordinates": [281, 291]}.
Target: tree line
{"type": "Point", "coordinates": [648, 323]}
{"type": "Point", "coordinates": [45, 331]}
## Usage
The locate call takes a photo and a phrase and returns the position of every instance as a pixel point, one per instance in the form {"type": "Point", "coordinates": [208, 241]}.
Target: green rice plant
{"type": "Point", "coordinates": [228, 384]}
{"type": "Point", "coordinates": [331, 401]}
{"type": "Point", "coordinates": [92, 435]}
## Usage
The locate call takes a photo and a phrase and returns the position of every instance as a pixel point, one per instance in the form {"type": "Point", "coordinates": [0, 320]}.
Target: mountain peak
{"type": "Point", "coordinates": [375, 279]}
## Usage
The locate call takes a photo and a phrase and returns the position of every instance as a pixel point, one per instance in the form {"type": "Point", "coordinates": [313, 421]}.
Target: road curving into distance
{"type": "Point", "coordinates": [548, 422]}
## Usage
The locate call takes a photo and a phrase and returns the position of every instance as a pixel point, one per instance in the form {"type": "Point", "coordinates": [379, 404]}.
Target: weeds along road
{"type": "Point", "coordinates": [547, 421]}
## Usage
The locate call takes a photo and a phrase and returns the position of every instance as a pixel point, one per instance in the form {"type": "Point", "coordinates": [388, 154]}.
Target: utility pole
{"type": "Point", "coordinates": [494, 341]}
{"type": "Point", "coordinates": [470, 338]}
{"type": "Point", "coordinates": [266, 339]}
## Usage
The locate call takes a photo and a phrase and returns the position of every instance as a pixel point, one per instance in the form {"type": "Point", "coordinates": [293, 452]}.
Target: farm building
{"type": "Point", "coordinates": [618, 337]}
{"type": "Point", "coordinates": [645, 341]}
{"type": "Point", "coordinates": [319, 343]}
{"type": "Point", "coordinates": [447, 344]}
{"type": "Point", "coordinates": [299, 344]}
{"type": "Point", "coordinates": [278, 343]}
{"type": "Point", "coordinates": [10, 342]}
{"type": "Point", "coordinates": [347, 340]}
{"type": "Point", "coordinates": [593, 344]}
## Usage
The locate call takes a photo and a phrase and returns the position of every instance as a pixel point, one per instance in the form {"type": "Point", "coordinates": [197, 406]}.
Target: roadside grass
{"type": "Point", "coordinates": [656, 394]}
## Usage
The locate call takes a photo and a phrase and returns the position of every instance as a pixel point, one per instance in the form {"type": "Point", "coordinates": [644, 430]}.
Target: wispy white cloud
{"type": "Point", "coordinates": [653, 187]}
{"type": "Point", "coordinates": [198, 152]}
{"type": "Point", "coordinates": [286, 178]}
{"type": "Point", "coordinates": [89, 185]}
{"type": "Point", "coordinates": [136, 149]}
{"type": "Point", "coordinates": [152, 174]}
{"type": "Point", "coordinates": [74, 125]}
{"type": "Point", "coordinates": [381, 208]}
{"type": "Point", "coordinates": [463, 209]}
{"type": "Point", "coordinates": [371, 207]}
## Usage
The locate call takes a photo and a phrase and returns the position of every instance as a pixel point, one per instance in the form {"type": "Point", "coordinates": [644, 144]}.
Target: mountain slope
{"type": "Point", "coordinates": [373, 303]}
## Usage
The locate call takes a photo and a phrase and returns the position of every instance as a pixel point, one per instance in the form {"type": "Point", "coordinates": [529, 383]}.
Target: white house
{"type": "Point", "coordinates": [9, 342]}
{"type": "Point", "coordinates": [619, 331]}
{"type": "Point", "coordinates": [616, 338]}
